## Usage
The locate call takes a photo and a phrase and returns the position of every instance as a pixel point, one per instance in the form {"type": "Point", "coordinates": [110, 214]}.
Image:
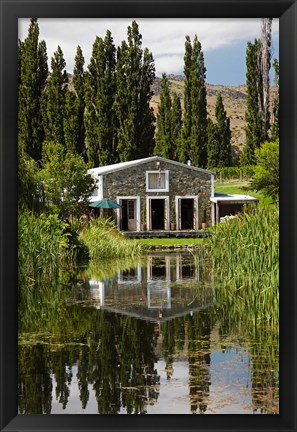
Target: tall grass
{"type": "Point", "coordinates": [245, 254]}
{"type": "Point", "coordinates": [42, 245]}
{"type": "Point", "coordinates": [104, 241]}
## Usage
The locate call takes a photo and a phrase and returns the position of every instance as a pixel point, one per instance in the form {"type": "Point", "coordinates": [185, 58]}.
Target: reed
{"type": "Point", "coordinates": [245, 255]}
{"type": "Point", "coordinates": [42, 245]}
{"type": "Point", "coordinates": [104, 241]}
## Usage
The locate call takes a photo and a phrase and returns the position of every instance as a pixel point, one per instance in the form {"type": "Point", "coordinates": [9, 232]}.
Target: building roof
{"type": "Point", "coordinates": [124, 165]}
{"type": "Point", "coordinates": [220, 197]}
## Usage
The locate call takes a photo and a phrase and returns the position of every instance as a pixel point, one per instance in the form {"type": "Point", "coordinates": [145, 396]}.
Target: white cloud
{"type": "Point", "coordinates": [165, 38]}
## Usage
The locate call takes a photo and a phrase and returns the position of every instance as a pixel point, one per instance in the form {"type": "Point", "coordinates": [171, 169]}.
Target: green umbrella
{"type": "Point", "coordinates": [105, 203]}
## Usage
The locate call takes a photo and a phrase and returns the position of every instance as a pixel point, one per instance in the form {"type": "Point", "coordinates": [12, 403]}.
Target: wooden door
{"type": "Point", "coordinates": [131, 215]}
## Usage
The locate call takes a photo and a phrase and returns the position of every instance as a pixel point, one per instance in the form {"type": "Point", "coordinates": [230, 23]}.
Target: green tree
{"type": "Point", "coordinates": [65, 178]}
{"type": "Point", "coordinates": [164, 124]}
{"type": "Point", "coordinates": [79, 78]}
{"type": "Point", "coordinates": [213, 144]}
{"type": "Point", "coordinates": [33, 72]}
{"type": "Point", "coordinates": [71, 125]}
{"type": "Point", "coordinates": [30, 186]}
{"type": "Point", "coordinates": [266, 177]}
{"type": "Point", "coordinates": [224, 134]}
{"type": "Point", "coordinates": [195, 110]}
{"type": "Point", "coordinates": [135, 72]}
{"type": "Point", "coordinates": [176, 126]}
{"type": "Point", "coordinates": [100, 122]}
{"type": "Point", "coordinates": [254, 131]}
{"type": "Point", "coordinates": [54, 100]}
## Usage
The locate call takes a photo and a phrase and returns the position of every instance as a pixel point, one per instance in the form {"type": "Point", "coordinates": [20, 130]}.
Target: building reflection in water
{"type": "Point", "coordinates": [166, 287]}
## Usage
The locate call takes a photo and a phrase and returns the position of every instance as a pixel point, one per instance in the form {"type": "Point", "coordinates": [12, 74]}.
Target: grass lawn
{"type": "Point", "coordinates": [241, 188]}
{"type": "Point", "coordinates": [172, 241]}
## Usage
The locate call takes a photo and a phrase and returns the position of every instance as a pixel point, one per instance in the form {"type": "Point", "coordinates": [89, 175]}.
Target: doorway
{"type": "Point", "coordinates": [157, 214]}
{"type": "Point", "coordinates": [128, 215]}
{"type": "Point", "coordinates": [187, 213]}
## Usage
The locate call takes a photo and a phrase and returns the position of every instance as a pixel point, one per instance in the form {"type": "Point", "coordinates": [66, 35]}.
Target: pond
{"type": "Point", "coordinates": [154, 336]}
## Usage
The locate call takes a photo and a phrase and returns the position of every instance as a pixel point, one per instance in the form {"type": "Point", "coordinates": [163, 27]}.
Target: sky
{"type": "Point", "coordinates": [223, 41]}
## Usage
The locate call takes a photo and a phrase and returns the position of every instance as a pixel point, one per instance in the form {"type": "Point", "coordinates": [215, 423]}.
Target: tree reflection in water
{"type": "Point", "coordinates": [114, 355]}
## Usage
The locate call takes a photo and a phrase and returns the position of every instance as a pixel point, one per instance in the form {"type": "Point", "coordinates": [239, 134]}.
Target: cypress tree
{"type": "Point", "coordinates": [100, 95]}
{"type": "Point", "coordinates": [135, 72]}
{"type": "Point", "coordinates": [164, 123]}
{"type": "Point", "coordinates": [54, 100]}
{"type": "Point", "coordinates": [176, 126]}
{"type": "Point", "coordinates": [194, 135]}
{"type": "Point", "coordinates": [33, 72]}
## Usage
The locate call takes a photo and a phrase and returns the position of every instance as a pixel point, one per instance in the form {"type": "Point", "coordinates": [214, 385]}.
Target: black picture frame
{"type": "Point", "coordinates": [10, 11]}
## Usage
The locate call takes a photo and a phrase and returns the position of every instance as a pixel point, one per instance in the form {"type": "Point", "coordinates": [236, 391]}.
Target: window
{"type": "Point", "coordinates": [157, 181]}
{"type": "Point", "coordinates": [95, 192]}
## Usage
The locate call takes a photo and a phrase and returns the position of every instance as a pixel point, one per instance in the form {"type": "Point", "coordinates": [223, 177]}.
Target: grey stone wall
{"type": "Point", "coordinates": [182, 181]}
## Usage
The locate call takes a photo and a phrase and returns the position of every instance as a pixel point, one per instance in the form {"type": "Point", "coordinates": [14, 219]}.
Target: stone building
{"type": "Point", "coordinates": [159, 193]}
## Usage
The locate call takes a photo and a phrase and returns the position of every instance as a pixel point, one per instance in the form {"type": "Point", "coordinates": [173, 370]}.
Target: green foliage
{"type": "Point", "coordinates": [100, 122]}
{"type": "Point", "coordinates": [234, 172]}
{"type": "Point", "coordinates": [30, 186]}
{"type": "Point", "coordinates": [266, 177]}
{"type": "Point", "coordinates": [248, 268]}
{"type": "Point", "coordinates": [163, 134]}
{"type": "Point", "coordinates": [54, 100]}
{"type": "Point", "coordinates": [105, 241]}
{"type": "Point", "coordinates": [135, 73]}
{"type": "Point", "coordinates": [66, 182]}
{"type": "Point", "coordinates": [169, 123]}
{"type": "Point", "coordinates": [42, 246]}
{"type": "Point", "coordinates": [79, 81]}
{"type": "Point", "coordinates": [176, 126]}
{"type": "Point", "coordinates": [254, 131]}
{"type": "Point", "coordinates": [194, 133]}
{"type": "Point", "coordinates": [33, 71]}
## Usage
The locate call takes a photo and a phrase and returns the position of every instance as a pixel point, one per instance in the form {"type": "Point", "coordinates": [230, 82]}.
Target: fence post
{"type": "Point", "coordinates": [220, 176]}
{"type": "Point", "coordinates": [241, 175]}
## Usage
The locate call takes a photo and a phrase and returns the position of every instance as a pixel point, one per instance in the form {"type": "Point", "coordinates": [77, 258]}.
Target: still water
{"type": "Point", "coordinates": [153, 337]}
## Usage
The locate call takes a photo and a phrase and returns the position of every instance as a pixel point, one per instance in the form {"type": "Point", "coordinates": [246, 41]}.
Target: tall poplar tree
{"type": "Point", "coordinates": [54, 100]}
{"type": "Point", "coordinates": [254, 131]}
{"type": "Point", "coordinates": [71, 122]}
{"type": "Point", "coordinates": [135, 72]}
{"type": "Point", "coordinates": [258, 62]}
{"type": "Point", "coordinates": [33, 72]}
{"type": "Point", "coordinates": [79, 78]}
{"type": "Point", "coordinates": [219, 137]}
{"type": "Point", "coordinates": [223, 125]}
{"type": "Point", "coordinates": [176, 126]}
{"type": "Point", "coordinates": [184, 148]}
{"type": "Point", "coordinates": [195, 113]}
{"type": "Point", "coordinates": [100, 122]}
{"type": "Point", "coordinates": [164, 124]}
{"type": "Point", "coordinates": [213, 145]}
